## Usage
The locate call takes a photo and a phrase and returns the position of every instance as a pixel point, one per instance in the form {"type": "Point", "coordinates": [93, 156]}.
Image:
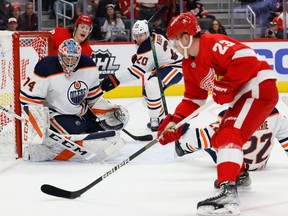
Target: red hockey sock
{"type": "Point", "coordinates": [227, 171]}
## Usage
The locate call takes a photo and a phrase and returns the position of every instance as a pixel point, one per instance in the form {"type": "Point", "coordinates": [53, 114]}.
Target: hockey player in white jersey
{"type": "Point", "coordinates": [170, 71]}
{"type": "Point", "coordinates": [67, 86]}
{"type": "Point", "coordinates": [256, 151]}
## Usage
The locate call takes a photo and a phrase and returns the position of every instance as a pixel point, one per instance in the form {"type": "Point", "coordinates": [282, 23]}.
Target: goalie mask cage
{"type": "Point", "coordinates": [19, 53]}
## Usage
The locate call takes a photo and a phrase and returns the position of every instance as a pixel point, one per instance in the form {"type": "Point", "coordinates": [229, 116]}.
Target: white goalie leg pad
{"type": "Point", "coordinates": [111, 116]}
{"type": "Point", "coordinates": [37, 153]}
{"type": "Point", "coordinates": [103, 148]}
{"type": "Point", "coordinates": [35, 124]}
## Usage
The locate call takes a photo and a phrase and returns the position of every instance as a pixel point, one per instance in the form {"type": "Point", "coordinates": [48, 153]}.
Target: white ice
{"type": "Point", "coordinates": [156, 183]}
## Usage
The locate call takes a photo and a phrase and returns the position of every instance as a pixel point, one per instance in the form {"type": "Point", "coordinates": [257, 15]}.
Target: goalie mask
{"type": "Point", "coordinates": [140, 31]}
{"type": "Point", "coordinates": [183, 23]}
{"type": "Point", "coordinates": [69, 53]}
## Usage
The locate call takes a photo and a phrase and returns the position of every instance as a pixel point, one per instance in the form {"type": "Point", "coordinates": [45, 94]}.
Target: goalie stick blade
{"type": "Point", "coordinates": [58, 192]}
{"type": "Point", "coordinates": [158, 15]}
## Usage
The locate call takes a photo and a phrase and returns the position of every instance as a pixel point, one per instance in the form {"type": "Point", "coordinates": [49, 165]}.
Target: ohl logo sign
{"type": "Point", "coordinates": [105, 63]}
{"type": "Point", "coordinates": [77, 92]}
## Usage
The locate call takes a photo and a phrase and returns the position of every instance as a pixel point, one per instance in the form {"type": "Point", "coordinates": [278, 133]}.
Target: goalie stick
{"type": "Point", "coordinates": [58, 192]}
{"type": "Point", "coordinates": [68, 144]}
{"type": "Point", "coordinates": [147, 137]}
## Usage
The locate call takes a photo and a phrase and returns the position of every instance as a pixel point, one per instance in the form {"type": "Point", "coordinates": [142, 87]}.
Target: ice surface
{"type": "Point", "coordinates": [156, 183]}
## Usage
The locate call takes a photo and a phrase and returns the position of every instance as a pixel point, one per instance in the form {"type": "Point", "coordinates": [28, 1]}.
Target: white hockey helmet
{"type": "Point", "coordinates": [139, 27]}
{"type": "Point", "coordinates": [69, 53]}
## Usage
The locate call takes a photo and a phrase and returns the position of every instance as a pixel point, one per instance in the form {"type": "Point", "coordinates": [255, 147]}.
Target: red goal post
{"type": "Point", "coordinates": [19, 53]}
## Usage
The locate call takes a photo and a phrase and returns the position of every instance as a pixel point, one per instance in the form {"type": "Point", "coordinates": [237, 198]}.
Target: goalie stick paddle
{"type": "Point", "coordinates": [58, 192]}
{"type": "Point", "coordinates": [147, 137]}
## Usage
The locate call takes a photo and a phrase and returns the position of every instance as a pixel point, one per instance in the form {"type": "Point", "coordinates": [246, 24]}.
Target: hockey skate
{"type": "Point", "coordinates": [243, 181]}
{"type": "Point", "coordinates": [225, 203]}
{"type": "Point", "coordinates": [153, 125]}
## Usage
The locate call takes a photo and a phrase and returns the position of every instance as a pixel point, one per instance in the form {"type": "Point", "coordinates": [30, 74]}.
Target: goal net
{"type": "Point", "coordinates": [19, 53]}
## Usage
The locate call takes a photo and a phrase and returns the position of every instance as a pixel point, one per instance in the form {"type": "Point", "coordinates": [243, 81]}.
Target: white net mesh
{"type": "Point", "coordinates": [7, 123]}
{"type": "Point", "coordinates": [32, 47]}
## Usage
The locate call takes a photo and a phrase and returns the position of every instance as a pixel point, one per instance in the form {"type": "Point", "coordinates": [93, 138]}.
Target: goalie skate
{"type": "Point", "coordinates": [225, 203]}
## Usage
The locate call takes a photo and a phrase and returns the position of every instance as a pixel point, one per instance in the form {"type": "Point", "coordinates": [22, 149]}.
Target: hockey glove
{"type": "Point", "coordinates": [165, 132]}
{"type": "Point", "coordinates": [223, 92]}
{"type": "Point", "coordinates": [111, 116]}
{"type": "Point", "coordinates": [134, 58]}
{"type": "Point", "coordinates": [110, 82]}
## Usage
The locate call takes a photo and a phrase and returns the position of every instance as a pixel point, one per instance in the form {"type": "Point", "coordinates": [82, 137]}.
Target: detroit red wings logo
{"type": "Point", "coordinates": [207, 82]}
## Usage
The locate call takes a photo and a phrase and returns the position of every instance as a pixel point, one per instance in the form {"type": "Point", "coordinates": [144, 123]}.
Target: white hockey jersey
{"type": "Point", "coordinates": [256, 151]}
{"type": "Point", "coordinates": [166, 56]}
{"type": "Point", "coordinates": [62, 95]}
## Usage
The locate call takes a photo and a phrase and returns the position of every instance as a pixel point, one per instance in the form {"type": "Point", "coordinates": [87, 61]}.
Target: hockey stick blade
{"type": "Point", "coordinates": [147, 137]}
{"type": "Point", "coordinates": [159, 14]}
{"type": "Point", "coordinates": [58, 192]}
{"type": "Point", "coordinates": [54, 191]}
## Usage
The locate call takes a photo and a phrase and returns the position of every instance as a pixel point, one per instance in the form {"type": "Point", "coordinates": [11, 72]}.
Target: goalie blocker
{"type": "Point", "coordinates": [40, 144]}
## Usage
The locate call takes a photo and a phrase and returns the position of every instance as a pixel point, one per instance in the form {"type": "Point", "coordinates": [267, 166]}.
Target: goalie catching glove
{"type": "Point", "coordinates": [110, 82]}
{"type": "Point", "coordinates": [111, 116]}
{"type": "Point", "coordinates": [165, 132]}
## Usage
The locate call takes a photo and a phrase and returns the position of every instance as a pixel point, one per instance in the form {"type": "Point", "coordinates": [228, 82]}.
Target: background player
{"type": "Point", "coordinates": [237, 76]}
{"type": "Point", "coordinates": [68, 85]}
{"type": "Point", "coordinates": [144, 68]}
{"type": "Point", "coordinates": [79, 32]}
{"type": "Point", "coordinates": [256, 150]}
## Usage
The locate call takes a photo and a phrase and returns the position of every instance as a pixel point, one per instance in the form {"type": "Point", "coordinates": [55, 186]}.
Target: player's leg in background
{"type": "Point", "coordinates": [169, 76]}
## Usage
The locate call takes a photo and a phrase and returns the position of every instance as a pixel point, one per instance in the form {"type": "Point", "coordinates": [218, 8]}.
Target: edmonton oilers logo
{"type": "Point", "coordinates": [77, 92]}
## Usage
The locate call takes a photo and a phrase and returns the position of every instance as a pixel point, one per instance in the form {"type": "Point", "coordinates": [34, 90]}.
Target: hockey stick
{"type": "Point", "coordinates": [147, 137]}
{"type": "Point", "coordinates": [158, 15]}
{"type": "Point", "coordinates": [154, 18]}
{"type": "Point", "coordinates": [66, 143]}
{"type": "Point", "coordinates": [58, 192]}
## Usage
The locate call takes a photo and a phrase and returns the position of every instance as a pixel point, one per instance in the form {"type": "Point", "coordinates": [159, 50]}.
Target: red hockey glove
{"type": "Point", "coordinates": [223, 92]}
{"type": "Point", "coordinates": [110, 82]}
{"type": "Point", "coordinates": [165, 133]}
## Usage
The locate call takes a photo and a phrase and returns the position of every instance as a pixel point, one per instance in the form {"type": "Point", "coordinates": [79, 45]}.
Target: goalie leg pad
{"type": "Point", "coordinates": [103, 148]}
{"type": "Point", "coordinates": [36, 123]}
{"type": "Point", "coordinates": [37, 153]}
